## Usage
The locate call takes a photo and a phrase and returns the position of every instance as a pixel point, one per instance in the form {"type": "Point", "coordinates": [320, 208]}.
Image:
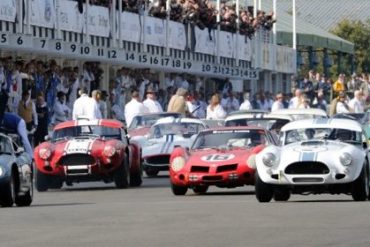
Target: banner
{"type": "Point", "coordinates": [42, 13]}
{"type": "Point", "coordinates": [98, 21]}
{"type": "Point", "coordinates": [226, 44]}
{"type": "Point", "coordinates": [8, 10]}
{"type": "Point", "coordinates": [70, 19]}
{"type": "Point", "coordinates": [285, 59]}
{"type": "Point", "coordinates": [244, 50]}
{"type": "Point", "coordinates": [154, 31]}
{"type": "Point", "coordinates": [177, 36]}
{"type": "Point", "coordinates": [205, 41]}
{"type": "Point", "coordinates": [130, 27]}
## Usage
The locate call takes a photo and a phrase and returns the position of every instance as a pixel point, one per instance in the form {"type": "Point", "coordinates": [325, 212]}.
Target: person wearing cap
{"type": "Point", "coordinates": [342, 105]}
{"type": "Point", "coordinates": [151, 101]}
{"type": "Point", "coordinates": [134, 108]}
{"type": "Point", "coordinates": [61, 110]}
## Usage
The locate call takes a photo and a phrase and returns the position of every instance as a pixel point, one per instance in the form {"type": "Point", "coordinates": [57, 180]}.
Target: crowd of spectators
{"type": "Point", "coordinates": [201, 13]}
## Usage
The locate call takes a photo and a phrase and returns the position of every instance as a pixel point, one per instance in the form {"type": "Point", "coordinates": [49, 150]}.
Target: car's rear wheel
{"type": "Point", "coordinates": [360, 187]}
{"type": "Point", "coordinates": [281, 194]}
{"type": "Point", "coordinates": [264, 192]}
{"type": "Point", "coordinates": [8, 192]}
{"type": "Point", "coordinates": [42, 181]}
{"type": "Point", "coordinates": [151, 172]}
{"type": "Point", "coordinates": [178, 190]}
{"type": "Point", "coordinates": [200, 189]}
{"type": "Point", "coordinates": [26, 199]}
{"type": "Point", "coordinates": [121, 176]}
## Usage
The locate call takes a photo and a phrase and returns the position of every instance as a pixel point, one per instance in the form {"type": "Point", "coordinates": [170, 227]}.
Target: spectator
{"type": "Point", "coordinates": [230, 103]}
{"type": "Point", "coordinates": [293, 103]}
{"type": "Point", "coordinates": [262, 102]}
{"type": "Point", "coordinates": [85, 107]}
{"type": "Point", "coordinates": [103, 106]}
{"type": "Point", "coordinates": [27, 111]}
{"type": "Point", "coordinates": [342, 105]}
{"type": "Point", "coordinates": [278, 103]}
{"type": "Point", "coordinates": [178, 103]}
{"type": "Point", "coordinates": [246, 105]}
{"type": "Point", "coordinates": [308, 89]}
{"type": "Point", "coordinates": [43, 118]}
{"type": "Point", "coordinates": [214, 109]}
{"type": "Point", "coordinates": [134, 108]}
{"type": "Point", "coordinates": [116, 109]}
{"type": "Point", "coordinates": [61, 110]}
{"type": "Point", "coordinates": [353, 84]}
{"type": "Point", "coordinates": [151, 102]}
{"type": "Point", "coordinates": [339, 85]}
{"type": "Point", "coordinates": [96, 96]}
{"type": "Point", "coordinates": [357, 103]}
{"type": "Point", "coordinates": [320, 102]}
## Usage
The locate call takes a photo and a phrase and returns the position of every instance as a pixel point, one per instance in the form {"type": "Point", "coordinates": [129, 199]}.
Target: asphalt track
{"type": "Point", "coordinates": [98, 215]}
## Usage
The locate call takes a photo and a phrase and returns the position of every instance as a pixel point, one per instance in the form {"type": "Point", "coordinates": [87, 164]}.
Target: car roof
{"type": "Point", "coordinates": [310, 111]}
{"type": "Point", "coordinates": [234, 128]}
{"type": "Point", "coordinates": [100, 122]}
{"type": "Point", "coordinates": [253, 111]}
{"type": "Point", "coordinates": [258, 116]}
{"type": "Point", "coordinates": [162, 114]}
{"type": "Point", "coordinates": [332, 123]}
{"type": "Point", "coordinates": [169, 120]}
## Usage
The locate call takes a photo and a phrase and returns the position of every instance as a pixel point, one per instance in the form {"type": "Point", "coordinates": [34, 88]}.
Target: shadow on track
{"type": "Point", "coordinates": [61, 204]}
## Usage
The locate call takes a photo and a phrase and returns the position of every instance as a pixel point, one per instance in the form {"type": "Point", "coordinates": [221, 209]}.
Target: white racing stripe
{"type": "Point", "coordinates": [79, 146]}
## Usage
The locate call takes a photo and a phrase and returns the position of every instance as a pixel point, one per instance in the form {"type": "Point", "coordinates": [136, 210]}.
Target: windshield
{"type": "Point", "coordinates": [184, 129]}
{"type": "Point", "coordinates": [230, 138]}
{"type": "Point", "coordinates": [306, 134]}
{"type": "Point", "coordinates": [87, 131]}
{"type": "Point", "coordinates": [270, 124]}
{"type": "Point", "coordinates": [149, 120]}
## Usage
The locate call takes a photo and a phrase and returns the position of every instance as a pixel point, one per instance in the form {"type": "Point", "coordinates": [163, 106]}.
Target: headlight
{"type": "Point", "coordinates": [44, 153]}
{"type": "Point", "coordinates": [1, 171]}
{"type": "Point", "coordinates": [178, 163]}
{"type": "Point", "coordinates": [345, 159]}
{"type": "Point", "coordinates": [109, 151]}
{"type": "Point", "coordinates": [269, 159]}
{"type": "Point", "coordinates": [251, 161]}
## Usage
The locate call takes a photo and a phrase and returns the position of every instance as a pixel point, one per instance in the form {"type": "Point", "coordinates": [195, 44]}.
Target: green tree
{"type": "Point", "coordinates": [357, 32]}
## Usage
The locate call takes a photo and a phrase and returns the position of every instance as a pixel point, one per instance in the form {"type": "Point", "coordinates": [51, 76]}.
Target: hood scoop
{"type": "Point", "coordinates": [312, 143]}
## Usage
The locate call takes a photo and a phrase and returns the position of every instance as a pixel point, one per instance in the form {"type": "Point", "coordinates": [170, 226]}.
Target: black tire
{"type": "Point", "coordinates": [178, 190]}
{"type": "Point", "coordinates": [26, 200]}
{"type": "Point", "coordinates": [136, 179]}
{"type": "Point", "coordinates": [42, 181]}
{"type": "Point", "coordinates": [360, 187]}
{"type": "Point", "coordinates": [264, 192]}
{"type": "Point", "coordinates": [150, 172]}
{"type": "Point", "coordinates": [8, 193]}
{"type": "Point", "coordinates": [281, 194]}
{"type": "Point", "coordinates": [200, 189]}
{"type": "Point", "coordinates": [121, 176]}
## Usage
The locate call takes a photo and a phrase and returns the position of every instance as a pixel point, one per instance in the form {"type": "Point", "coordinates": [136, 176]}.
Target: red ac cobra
{"type": "Point", "coordinates": [224, 157]}
{"type": "Point", "coordinates": [86, 150]}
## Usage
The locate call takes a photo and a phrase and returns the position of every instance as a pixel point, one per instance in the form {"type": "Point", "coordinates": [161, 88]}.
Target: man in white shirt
{"type": "Point", "coordinates": [357, 103]}
{"type": "Point", "coordinates": [151, 101]}
{"type": "Point", "coordinates": [294, 102]}
{"type": "Point", "coordinates": [278, 103]}
{"type": "Point", "coordinates": [246, 105]}
{"type": "Point", "coordinates": [85, 107]}
{"type": "Point", "coordinates": [134, 108]}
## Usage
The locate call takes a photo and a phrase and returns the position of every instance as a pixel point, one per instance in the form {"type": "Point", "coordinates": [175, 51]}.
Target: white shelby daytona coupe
{"type": "Point", "coordinates": [163, 136]}
{"type": "Point", "coordinates": [315, 156]}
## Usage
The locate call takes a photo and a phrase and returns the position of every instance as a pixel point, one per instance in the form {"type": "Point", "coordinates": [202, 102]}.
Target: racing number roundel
{"type": "Point", "coordinates": [217, 157]}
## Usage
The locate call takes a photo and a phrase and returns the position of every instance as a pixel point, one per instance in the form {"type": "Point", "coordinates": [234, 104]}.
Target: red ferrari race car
{"type": "Point", "coordinates": [85, 150]}
{"type": "Point", "coordinates": [224, 157]}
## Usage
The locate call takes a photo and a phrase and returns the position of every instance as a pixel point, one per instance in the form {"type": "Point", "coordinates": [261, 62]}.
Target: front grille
{"type": "Point", "coordinates": [77, 171]}
{"type": "Point", "coordinates": [203, 169]}
{"type": "Point", "coordinates": [308, 180]}
{"type": "Point", "coordinates": [307, 167]}
{"type": "Point", "coordinates": [158, 160]}
{"type": "Point", "coordinates": [227, 168]}
{"type": "Point", "coordinates": [77, 160]}
{"type": "Point", "coordinates": [212, 178]}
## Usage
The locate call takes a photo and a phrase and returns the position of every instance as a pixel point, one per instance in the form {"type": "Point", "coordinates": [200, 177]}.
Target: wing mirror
{"type": "Point", "coordinates": [19, 150]}
{"type": "Point", "coordinates": [47, 138]}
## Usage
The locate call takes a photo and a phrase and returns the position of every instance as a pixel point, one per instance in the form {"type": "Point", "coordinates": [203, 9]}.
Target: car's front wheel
{"type": "Point", "coordinates": [360, 187]}
{"type": "Point", "coordinates": [281, 194]}
{"type": "Point", "coordinates": [8, 192]}
{"type": "Point", "coordinates": [178, 190]}
{"type": "Point", "coordinates": [26, 199]}
{"type": "Point", "coordinates": [121, 176]}
{"type": "Point", "coordinates": [42, 181]}
{"type": "Point", "coordinates": [264, 192]}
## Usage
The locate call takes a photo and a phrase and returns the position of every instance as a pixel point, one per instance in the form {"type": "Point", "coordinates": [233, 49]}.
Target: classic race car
{"type": "Point", "coordinates": [86, 150]}
{"type": "Point", "coordinates": [164, 135]}
{"type": "Point", "coordinates": [16, 184]}
{"type": "Point", "coordinates": [316, 156]}
{"type": "Point", "coordinates": [224, 157]}
{"type": "Point", "coordinates": [141, 123]}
